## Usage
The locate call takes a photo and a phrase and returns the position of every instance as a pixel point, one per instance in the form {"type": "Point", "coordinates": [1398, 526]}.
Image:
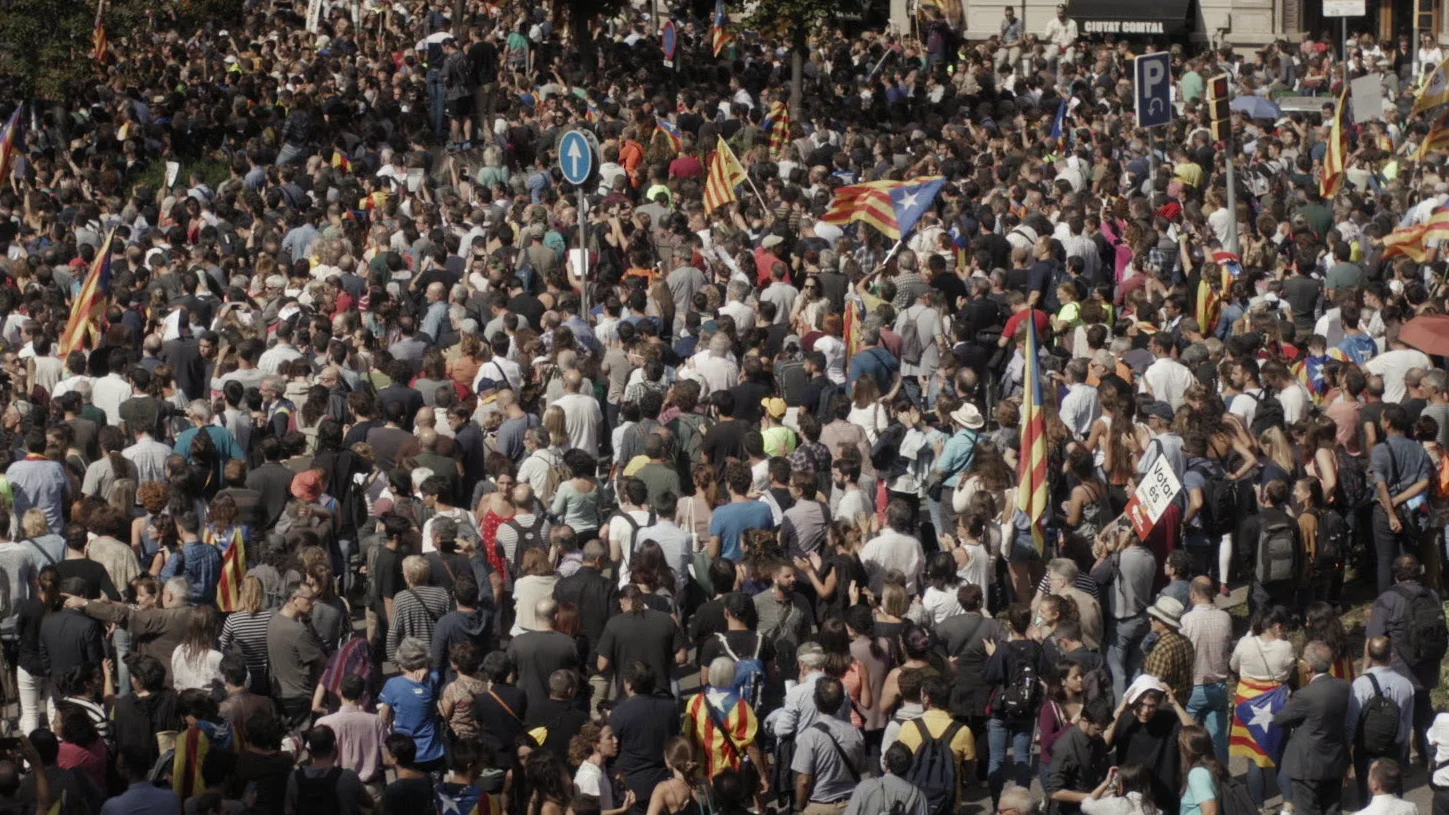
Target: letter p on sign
{"type": "Point", "coordinates": [1153, 80]}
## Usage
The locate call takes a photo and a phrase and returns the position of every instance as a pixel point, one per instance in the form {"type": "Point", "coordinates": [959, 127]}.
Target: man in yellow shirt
{"type": "Point", "coordinates": [1185, 170]}
{"type": "Point", "coordinates": [938, 725]}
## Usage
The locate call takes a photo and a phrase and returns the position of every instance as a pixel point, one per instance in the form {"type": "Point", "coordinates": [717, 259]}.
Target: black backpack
{"type": "Point", "coordinates": [1235, 799]}
{"type": "Point", "coordinates": [821, 409]}
{"type": "Point", "coordinates": [1378, 723]}
{"type": "Point", "coordinates": [1354, 491]}
{"type": "Point", "coordinates": [1219, 500]}
{"type": "Point", "coordinates": [1332, 537]}
{"type": "Point", "coordinates": [933, 769]}
{"type": "Point", "coordinates": [530, 537]}
{"type": "Point", "coordinates": [1277, 552]}
{"type": "Point", "coordinates": [1021, 696]}
{"type": "Point", "coordinates": [1426, 638]}
{"type": "Point", "coordinates": [1269, 413]}
{"type": "Point", "coordinates": [317, 796]}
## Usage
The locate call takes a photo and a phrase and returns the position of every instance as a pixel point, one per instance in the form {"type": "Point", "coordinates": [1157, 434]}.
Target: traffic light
{"type": "Point", "coordinates": [1219, 117]}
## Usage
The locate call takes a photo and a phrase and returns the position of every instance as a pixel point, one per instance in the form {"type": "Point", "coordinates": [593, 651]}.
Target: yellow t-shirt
{"type": "Point", "coordinates": [963, 744]}
{"type": "Point", "coordinates": [1188, 173]}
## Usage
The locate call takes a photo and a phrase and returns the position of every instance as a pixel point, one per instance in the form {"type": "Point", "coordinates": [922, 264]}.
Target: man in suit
{"type": "Point", "coordinates": [1317, 753]}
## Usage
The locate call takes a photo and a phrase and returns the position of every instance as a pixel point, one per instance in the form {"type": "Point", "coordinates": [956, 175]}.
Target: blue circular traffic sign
{"type": "Point", "coordinates": [575, 157]}
{"type": "Point", "coordinates": [670, 40]}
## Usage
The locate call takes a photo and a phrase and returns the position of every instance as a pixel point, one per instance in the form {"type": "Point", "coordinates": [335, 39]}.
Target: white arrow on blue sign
{"type": "Point", "coordinates": [575, 157]}
{"type": "Point", "coordinates": [1152, 78]}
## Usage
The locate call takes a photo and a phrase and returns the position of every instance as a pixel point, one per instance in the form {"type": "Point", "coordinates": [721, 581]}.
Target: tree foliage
{"type": "Point", "coordinates": [794, 21]}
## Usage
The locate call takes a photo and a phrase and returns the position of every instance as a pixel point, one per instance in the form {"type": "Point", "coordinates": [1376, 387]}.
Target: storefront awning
{"type": "Point", "coordinates": [1131, 17]}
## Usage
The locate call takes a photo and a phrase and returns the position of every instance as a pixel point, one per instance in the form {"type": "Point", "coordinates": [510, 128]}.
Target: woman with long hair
{"type": "Point", "coordinates": [311, 413]}
{"type": "Point", "coordinates": [1263, 662]}
{"type": "Point", "coordinates": [1203, 775]}
{"type": "Point", "coordinates": [547, 781]}
{"type": "Point", "coordinates": [147, 530]}
{"type": "Point", "coordinates": [30, 669]}
{"type": "Point", "coordinates": [535, 582]}
{"type": "Point", "coordinates": [866, 411]}
{"type": "Point", "coordinates": [832, 574]}
{"type": "Point", "coordinates": [1117, 440]}
{"type": "Point", "coordinates": [915, 645]}
{"type": "Point", "coordinates": [1064, 699]}
{"type": "Point", "coordinates": [650, 571]}
{"type": "Point", "coordinates": [81, 745]}
{"type": "Point", "coordinates": [196, 663]}
{"type": "Point", "coordinates": [835, 638]}
{"type": "Point", "coordinates": [696, 510]}
{"type": "Point", "coordinates": [246, 630]}
{"type": "Point", "coordinates": [1089, 508]}
{"type": "Point", "coordinates": [874, 654]}
{"type": "Point", "coordinates": [576, 502]}
{"type": "Point", "coordinates": [1052, 610]}
{"type": "Point", "coordinates": [1007, 733]}
{"type": "Point", "coordinates": [676, 795]}
{"type": "Point", "coordinates": [977, 541]}
{"type": "Point", "coordinates": [1127, 790]}
{"type": "Point", "coordinates": [1322, 622]}
{"type": "Point", "coordinates": [1320, 457]}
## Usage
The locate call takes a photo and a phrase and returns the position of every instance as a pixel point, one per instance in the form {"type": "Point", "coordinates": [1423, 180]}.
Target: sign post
{"type": "Point", "coordinates": [576, 157]}
{"type": "Point", "coordinates": [1152, 87]}
{"type": "Point", "coordinates": [670, 43]}
{"type": "Point", "coordinates": [1344, 9]}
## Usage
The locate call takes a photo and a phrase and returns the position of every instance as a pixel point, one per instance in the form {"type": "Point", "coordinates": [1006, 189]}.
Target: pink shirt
{"type": "Point", "coordinates": [92, 760]}
{"type": "Point", "coordinates": [359, 740]}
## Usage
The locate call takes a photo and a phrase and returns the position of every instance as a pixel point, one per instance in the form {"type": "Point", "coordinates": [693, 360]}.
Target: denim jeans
{"type": "Point", "coordinates": [998, 731]}
{"type": "Point", "coordinates": [1208, 705]}
{"type": "Point", "coordinates": [1258, 784]}
{"type": "Point", "coordinates": [1388, 545]}
{"type": "Point", "coordinates": [122, 639]}
{"type": "Point", "coordinates": [437, 101]}
{"type": "Point", "coordinates": [1124, 651]}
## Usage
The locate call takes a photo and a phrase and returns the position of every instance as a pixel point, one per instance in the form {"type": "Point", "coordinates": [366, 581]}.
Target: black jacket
{"type": "Point", "coordinates": [69, 639]}
{"type": "Point", "coordinates": [1317, 748]}
{"type": "Point", "coordinates": [597, 599]}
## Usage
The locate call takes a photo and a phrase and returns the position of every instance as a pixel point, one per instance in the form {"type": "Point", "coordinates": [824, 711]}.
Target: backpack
{"type": "Point", "coordinates": [1378, 723]}
{"type": "Point", "coordinates": [634, 527]}
{"type": "Point", "coordinates": [558, 473]}
{"type": "Point", "coordinates": [1219, 501]}
{"type": "Point", "coordinates": [1277, 553]}
{"type": "Point", "coordinates": [1354, 491]}
{"type": "Point", "coordinates": [354, 657]}
{"type": "Point", "coordinates": [933, 769]}
{"type": "Point", "coordinates": [1021, 695]}
{"type": "Point", "coordinates": [1426, 638]}
{"type": "Point", "coordinates": [530, 538]}
{"type": "Point", "coordinates": [791, 380]}
{"type": "Point", "coordinates": [1332, 537]}
{"type": "Point", "coordinates": [1269, 413]}
{"type": "Point", "coordinates": [912, 347]}
{"type": "Point", "coordinates": [821, 409]}
{"type": "Point", "coordinates": [688, 430]}
{"type": "Point", "coordinates": [317, 796]}
{"type": "Point", "coordinates": [749, 671]}
{"type": "Point", "coordinates": [1234, 799]}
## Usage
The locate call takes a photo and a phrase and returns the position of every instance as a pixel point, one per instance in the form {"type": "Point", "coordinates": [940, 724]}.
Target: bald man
{"type": "Point", "coordinates": [582, 414]}
{"type": "Point", "coordinates": [435, 318]}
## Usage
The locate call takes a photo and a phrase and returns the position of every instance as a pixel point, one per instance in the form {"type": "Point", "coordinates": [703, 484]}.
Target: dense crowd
{"type": "Point", "coordinates": [384, 477]}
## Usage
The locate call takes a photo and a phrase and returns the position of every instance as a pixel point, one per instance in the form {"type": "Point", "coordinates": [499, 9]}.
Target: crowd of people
{"type": "Point", "coordinates": [382, 477]}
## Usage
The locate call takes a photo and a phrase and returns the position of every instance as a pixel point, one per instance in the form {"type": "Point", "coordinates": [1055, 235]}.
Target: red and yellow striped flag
{"type": "Point", "coordinates": [869, 202]}
{"type": "Point", "coordinates": [99, 41]}
{"type": "Point", "coordinates": [719, 34]}
{"type": "Point", "coordinates": [90, 304]}
{"type": "Point", "coordinates": [779, 127]}
{"type": "Point", "coordinates": [233, 571]}
{"type": "Point", "coordinates": [725, 173]}
{"type": "Point", "coordinates": [9, 143]}
{"type": "Point", "coordinates": [341, 161]}
{"type": "Point", "coordinates": [1334, 161]}
{"type": "Point", "coordinates": [1407, 241]}
{"type": "Point", "coordinates": [191, 749]}
{"type": "Point", "coordinates": [1209, 307]}
{"type": "Point", "coordinates": [1031, 492]}
{"type": "Point", "coordinates": [1438, 138]}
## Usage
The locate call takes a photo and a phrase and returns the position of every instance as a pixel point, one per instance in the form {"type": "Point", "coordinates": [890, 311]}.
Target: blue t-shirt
{"type": "Point", "coordinates": [1200, 787]}
{"type": "Point", "coordinates": [875, 362]}
{"type": "Point", "coordinates": [415, 712]}
{"type": "Point", "coordinates": [1359, 348]}
{"type": "Point", "coordinates": [732, 519]}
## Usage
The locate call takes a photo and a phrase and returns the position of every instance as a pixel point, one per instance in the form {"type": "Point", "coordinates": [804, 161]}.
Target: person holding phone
{"type": "Point", "coordinates": [1127, 790]}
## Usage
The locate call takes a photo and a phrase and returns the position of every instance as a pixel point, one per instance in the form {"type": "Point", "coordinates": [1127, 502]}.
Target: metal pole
{"type": "Point", "coordinates": [1151, 166]}
{"type": "Point", "coordinates": [1232, 241]}
{"type": "Point", "coordinates": [1343, 55]}
{"type": "Point", "coordinates": [583, 255]}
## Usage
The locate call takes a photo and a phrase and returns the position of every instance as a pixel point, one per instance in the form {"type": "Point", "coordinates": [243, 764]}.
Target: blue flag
{"type": "Point", "coordinates": [1060, 122]}
{"type": "Point", "coordinates": [911, 201]}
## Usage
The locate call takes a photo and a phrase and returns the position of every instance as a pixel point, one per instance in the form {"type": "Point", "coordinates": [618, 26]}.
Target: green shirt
{"type": "Point", "coordinates": [1342, 275]}
{"type": "Point", "coordinates": [1192, 86]}
{"type": "Point", "coordinates": [1319, 217]}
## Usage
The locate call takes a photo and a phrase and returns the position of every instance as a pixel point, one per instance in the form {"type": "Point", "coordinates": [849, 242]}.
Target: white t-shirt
{"type": "Point", "coordinates": [1392, 365]}
{"type": "Point", "coordinates": [582, 418]}
{"type": "Point", "coordinates": [940, 605]}
{"type": "Point", "coordinates": [1439, 737]}
{"type": "Point", "coordinates": [509, 370]}
{"type": "Point", "coordinates": [1245, 404]}
{"type": "Point", "coordinates": [618, 530]}
{"type": "Point", "coordinates": [1295, 403]}
{"type": "Point", "coordinates": [590, 781]}
{"type": "Point", "coordinates": [852, 504]}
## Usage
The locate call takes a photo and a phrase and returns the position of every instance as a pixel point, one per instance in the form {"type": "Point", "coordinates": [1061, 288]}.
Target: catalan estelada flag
{"type": "Point", "coordinates": [1436, 228]}
{"type": "Point", "coordinates": [9, 138]}
{"type": "Point", "coordinates": [708, 716]}
{"type": "Point", "coordinates": [191, 749]}
{"type": "Point", "coordinates": [893, 207]}
{"type": "Point", "coordinates": [466, 799]}
{"type": "Point", "coordinates": [233, 571]}
{"type": "Point", "coordinates": [1334, 161]}
{"type": "Point", "coordinates": [98, 39]}
{"type": "Point", "coordinates": [719, 35]}
{"type": "Point", "coordinates": [1254, 736]}
{"type": "Point", "coordinates": [725, 173]}
{"type": "Point", "coordinates": [671, 132]}
{"type": "Point", "coordinates": [90, 303]}
{"type": "Point", "coordinates": [341, 161]}
{"type": "Point", "coordinates": [1032, 494]}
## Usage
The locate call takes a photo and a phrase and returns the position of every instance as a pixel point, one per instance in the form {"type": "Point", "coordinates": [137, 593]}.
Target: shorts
{"type": "Point", "coordinates": [460, 107]}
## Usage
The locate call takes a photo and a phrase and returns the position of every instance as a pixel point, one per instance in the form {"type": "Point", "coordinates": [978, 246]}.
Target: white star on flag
{"type": "Point", "coordinates": [1262, 716]}
{"type": "Point", "coordinates": [908, 201]}
{"type": "Point", "coordinates": [450, 804]}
